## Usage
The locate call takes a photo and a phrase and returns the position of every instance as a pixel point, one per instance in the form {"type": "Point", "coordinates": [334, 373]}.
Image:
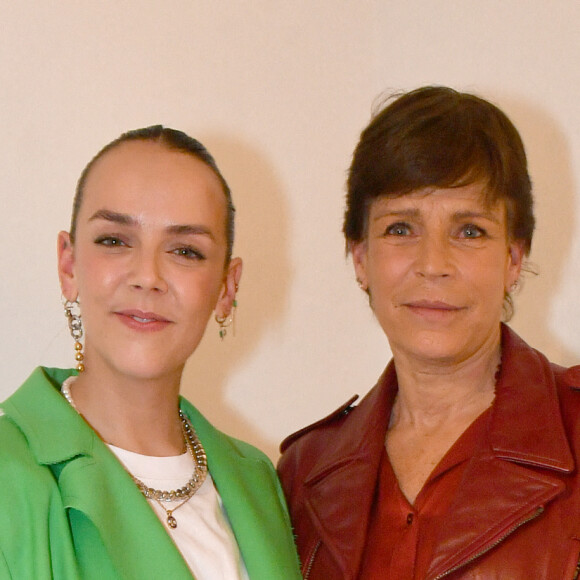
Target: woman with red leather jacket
{"type": "Point", "coordinates": [462, 461]}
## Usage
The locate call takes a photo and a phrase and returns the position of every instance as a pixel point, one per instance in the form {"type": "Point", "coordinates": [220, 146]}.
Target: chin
{"type": "Point", "coordinates": [147, 368]}
{"type": "Point", "coordinates": [434, 347]}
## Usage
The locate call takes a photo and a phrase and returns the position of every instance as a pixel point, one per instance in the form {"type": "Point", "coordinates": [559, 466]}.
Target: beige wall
{"type": "Point", "coordinates": [279, 92]}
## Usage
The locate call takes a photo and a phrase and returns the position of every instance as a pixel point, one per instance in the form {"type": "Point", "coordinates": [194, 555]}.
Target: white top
{"type": "Point", "coordinates": [203, 534]}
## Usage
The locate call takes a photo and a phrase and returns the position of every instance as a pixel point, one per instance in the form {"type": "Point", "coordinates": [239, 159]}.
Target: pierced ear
{"type": "Point", "coordinates": [230, 285]}
{"type": "Point", "coordinates": [516, 254]}
{"type": "Point", "coordinates": [66, 262]}
{"type": "Point", "coordinates": [358, 251]}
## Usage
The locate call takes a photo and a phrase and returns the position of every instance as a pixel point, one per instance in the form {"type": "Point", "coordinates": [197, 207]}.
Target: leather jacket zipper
{"type": "Point", "coordinates": [308, 568]}
{"type": "Point", "coordinates": [577, 571]}
{"type": "Point", "coordinates": [531, 517]}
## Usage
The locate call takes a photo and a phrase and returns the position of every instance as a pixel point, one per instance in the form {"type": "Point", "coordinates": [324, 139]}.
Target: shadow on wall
{"type": "Point", "coordinates": [262, 242]}
{"type": "Point", "coordinates": [554, 194]}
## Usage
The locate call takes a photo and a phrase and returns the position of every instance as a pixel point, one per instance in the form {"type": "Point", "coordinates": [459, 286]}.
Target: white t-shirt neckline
{"type": "Point", "coordinates": [203, 534]}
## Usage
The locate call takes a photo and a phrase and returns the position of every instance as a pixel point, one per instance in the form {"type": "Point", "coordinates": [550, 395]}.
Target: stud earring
{"type": "Point", "coordinates": [75, 325]}
{"type": "Point", "coordinates": [515, 286]}
{"type": "Point", "coordinates": [361, 284]}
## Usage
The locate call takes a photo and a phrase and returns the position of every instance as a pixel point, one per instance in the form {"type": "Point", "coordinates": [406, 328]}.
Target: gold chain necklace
{"type": "Point", "coordinates": [183, 494]}
{"type": "Point", "coordinates": [186, 492]}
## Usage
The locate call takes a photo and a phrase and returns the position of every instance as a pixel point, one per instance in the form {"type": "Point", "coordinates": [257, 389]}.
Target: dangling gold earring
{"type": "Point", "coordinates": [223, 322]}
{"type": "Point", "coordinates": [230, 320]}
{"type": "Point", "coordinates": [75, 325]}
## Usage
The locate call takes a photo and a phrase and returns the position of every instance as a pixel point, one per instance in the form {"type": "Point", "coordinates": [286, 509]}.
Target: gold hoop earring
{"type": "Point", "coordinates": [229, 320]}
{"type": "Point", "coordinates": [223, 322]}
{"type": "Point", "coordinates": [75, 324]}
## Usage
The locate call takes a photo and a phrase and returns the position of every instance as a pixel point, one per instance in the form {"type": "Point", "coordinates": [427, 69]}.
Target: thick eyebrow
{"type": "Point", "coordinates": [189, 230]}
{"type": "Point", "coordinates": [115, 217]}
{"type": "Point", "coordinates": [128, 220]}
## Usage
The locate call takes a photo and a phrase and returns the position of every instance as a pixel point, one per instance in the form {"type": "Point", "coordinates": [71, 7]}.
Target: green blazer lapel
{"type": "Point", "coordinates": [101, 499]}
{"type": "Point", "coordinates": [99, 490]}
{"type": "Point", "coordinates": [253, 501]}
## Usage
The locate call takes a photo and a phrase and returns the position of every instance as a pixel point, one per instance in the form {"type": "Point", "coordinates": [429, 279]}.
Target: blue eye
{"type": "Point", "coordinates": [471, 231]}
{"type": "Point", "coordinates": [398, 229]}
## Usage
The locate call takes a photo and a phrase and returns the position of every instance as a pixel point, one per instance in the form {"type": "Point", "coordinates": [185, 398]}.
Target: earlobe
{"type": "Point", "coordinates": [65, 254]}
{"type": "Point", "coordinates": [516, 257]}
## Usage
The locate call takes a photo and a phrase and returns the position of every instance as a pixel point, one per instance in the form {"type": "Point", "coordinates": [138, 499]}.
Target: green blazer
{"type": "Point", "coordinates": [69, 510]}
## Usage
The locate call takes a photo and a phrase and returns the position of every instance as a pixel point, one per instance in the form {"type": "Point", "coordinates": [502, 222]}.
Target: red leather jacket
{"type": "Point", "coordinates": [517, 513]}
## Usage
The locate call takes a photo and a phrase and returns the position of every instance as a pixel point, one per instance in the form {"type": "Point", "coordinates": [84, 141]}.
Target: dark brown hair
{"type": "Point", "coordinates": [438, 137]}
{"type": "Point", "coordinates": [172, 139]}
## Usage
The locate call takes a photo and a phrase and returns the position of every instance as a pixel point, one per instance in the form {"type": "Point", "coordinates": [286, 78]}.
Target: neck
{"type": "Point", "coordinates": [137, 415]}
{"type": "Point", "coordinates": [430, 395]}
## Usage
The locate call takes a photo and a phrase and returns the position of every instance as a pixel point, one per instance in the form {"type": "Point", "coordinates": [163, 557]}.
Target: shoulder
{"type": "Point", "coordinates": [520, 359]}
{"type": "Point", "coordinates": [345, 426]}
{"type": "Point", "coordinates": [568, 387]}
{"type": "Point", "coordinates": [31, 501]}
{"type": "Point", "coordinates": [13, 443]}
{"type": "Point", "coordinates": [16, 455]}
{"type": "Point", "coordinates": [302, 450]}
{"type": "Point", "coordinates": [326, 424]}
{"type": "Point", "coordinates": [37, 394]}
{"type": "Point", "coordinates": [245, 449]}
{"type": "Point", "coordinates": [567, 379]}
{"type": "Point", "coordinates": [566, 384]}
{"type": "Point", "coordinates": [26, 481]}
{"type": "Point", "coordinates": [568, 376]}
{"type": "Point", "coordinates": [215, 440]}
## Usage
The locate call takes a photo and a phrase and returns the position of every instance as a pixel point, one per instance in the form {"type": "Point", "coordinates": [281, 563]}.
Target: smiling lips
{"type": "Point", "coordinates": [432, 309]}
{"type": "Point", "coordinates": [139, 320]}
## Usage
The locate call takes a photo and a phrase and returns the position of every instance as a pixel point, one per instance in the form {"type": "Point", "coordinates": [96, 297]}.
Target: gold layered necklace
{"type": "Point", "coordinates": [185, 493]}
{"type": "Point", "coordinates": [162, 497]}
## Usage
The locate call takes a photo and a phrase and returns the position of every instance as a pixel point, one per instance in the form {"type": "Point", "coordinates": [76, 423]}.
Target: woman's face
{"type": "Point", "coordinates": [437, 264]}
{"type": "Point", "coordinates": [148, 260]}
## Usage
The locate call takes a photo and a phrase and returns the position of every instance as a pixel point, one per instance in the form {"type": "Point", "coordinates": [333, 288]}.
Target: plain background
{"type": "Point", "coordinates": [279, 92]}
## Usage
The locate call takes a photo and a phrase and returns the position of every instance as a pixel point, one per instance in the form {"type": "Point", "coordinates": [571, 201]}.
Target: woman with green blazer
{"type": "Point", "coordinates": [105, 471]}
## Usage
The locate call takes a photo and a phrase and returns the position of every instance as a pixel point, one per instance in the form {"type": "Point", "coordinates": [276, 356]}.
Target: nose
{"type": "Point", "coordinates": [434, 258]}
{"type": "Point", "coordinates": [146, 272]}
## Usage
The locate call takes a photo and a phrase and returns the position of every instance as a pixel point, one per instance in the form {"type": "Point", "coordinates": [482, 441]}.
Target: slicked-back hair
{"type": "Point", "coordinates": [173, 140]}
{"type": "Point", "coordinates": [438, 137]}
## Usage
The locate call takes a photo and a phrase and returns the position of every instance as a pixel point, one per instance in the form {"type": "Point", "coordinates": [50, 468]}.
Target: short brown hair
{"type": "Point", "coordinates": [438, 137]}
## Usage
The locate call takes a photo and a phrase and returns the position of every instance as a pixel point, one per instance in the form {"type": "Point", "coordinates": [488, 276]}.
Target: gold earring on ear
{"type": "Point", "coordinates": [230, 320]}
{"type": "Point", "coordinates": [75, 325]}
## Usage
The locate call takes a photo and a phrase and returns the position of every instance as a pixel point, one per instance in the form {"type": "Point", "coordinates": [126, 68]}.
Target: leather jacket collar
{"type": "Point", "coordinates": [339, 487]}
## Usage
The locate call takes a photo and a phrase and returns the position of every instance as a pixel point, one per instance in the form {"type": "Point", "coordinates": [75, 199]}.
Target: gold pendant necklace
{"type": "Point", "coordinates": [183, 494]}
{"type": "Point", "coordinates": [171, 521]}
{"type": "Point", "coordinates": [186, 492]}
